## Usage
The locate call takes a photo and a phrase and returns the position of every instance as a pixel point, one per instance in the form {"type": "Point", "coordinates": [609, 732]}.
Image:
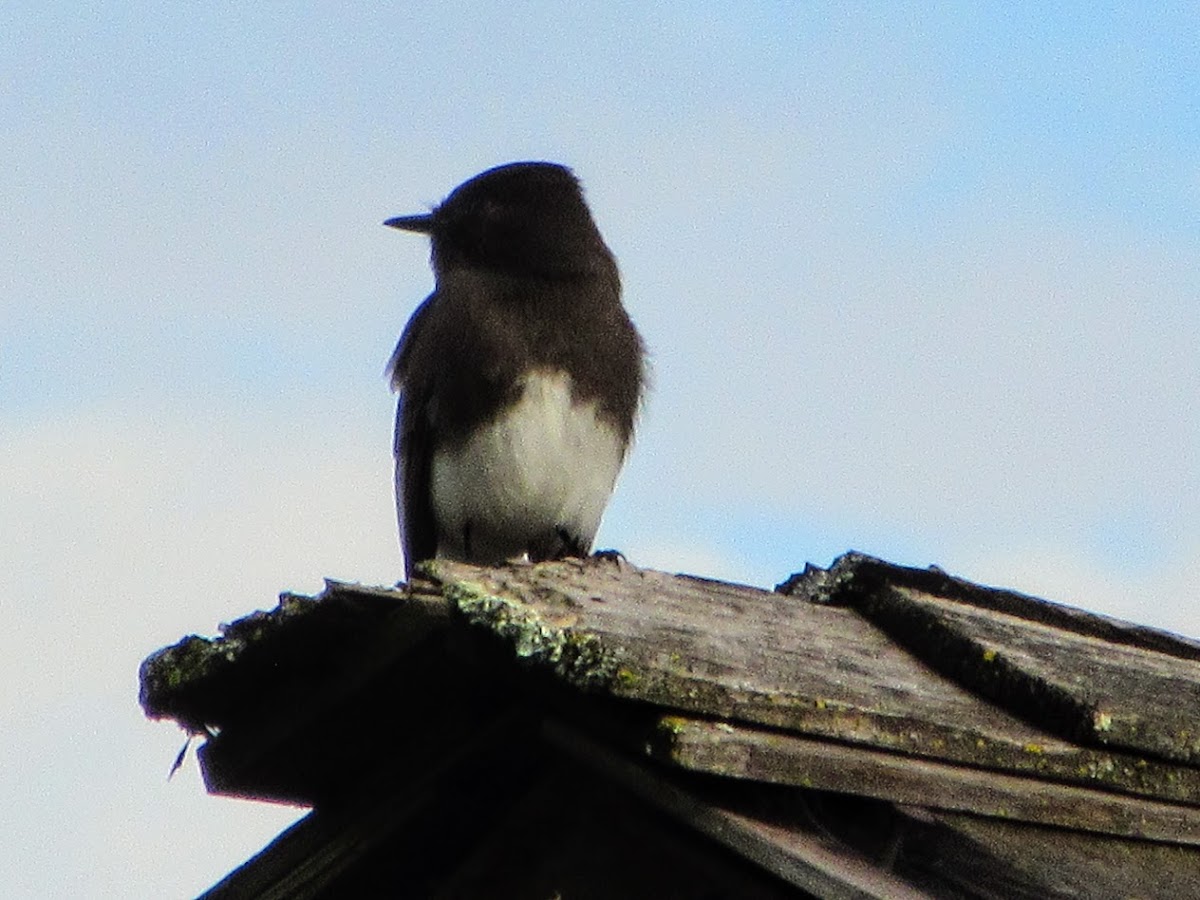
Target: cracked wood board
{"type": "Point", "coordinates": [1079, 686]}
{"type": "Point", "coordinates": [719, 748]}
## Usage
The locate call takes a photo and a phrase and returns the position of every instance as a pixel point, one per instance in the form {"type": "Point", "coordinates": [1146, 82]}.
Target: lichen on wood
{"type": "Point", "coordinates": [575, 655]}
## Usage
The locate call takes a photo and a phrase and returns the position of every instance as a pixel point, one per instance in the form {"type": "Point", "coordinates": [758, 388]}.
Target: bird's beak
{"type": "Point", "coordinates": [422, 223]}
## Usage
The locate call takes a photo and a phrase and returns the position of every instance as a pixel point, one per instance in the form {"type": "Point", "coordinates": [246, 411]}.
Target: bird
{"type": "Point", "coordinates": [520, 378]}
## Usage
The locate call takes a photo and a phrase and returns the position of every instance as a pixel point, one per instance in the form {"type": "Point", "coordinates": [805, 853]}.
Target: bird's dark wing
{"type": "Point", "coordinates": [413, 449]}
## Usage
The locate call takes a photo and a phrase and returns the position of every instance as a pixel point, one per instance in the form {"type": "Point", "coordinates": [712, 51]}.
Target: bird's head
{"type": "Point", "coordinates": [524, 218]}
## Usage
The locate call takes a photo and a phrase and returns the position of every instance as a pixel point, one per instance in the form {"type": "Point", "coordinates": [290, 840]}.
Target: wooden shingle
{"type": "Point", "coordinates": [865, 730]}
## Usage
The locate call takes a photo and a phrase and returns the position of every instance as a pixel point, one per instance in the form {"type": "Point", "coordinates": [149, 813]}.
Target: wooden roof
{"type": "Point", "coordinates": [867, 730]}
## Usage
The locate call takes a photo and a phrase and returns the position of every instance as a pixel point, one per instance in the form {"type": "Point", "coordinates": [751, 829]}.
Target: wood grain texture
{"type": "Point", "coordinates": [1082, 687]}
{"type": "Point", "coordinates": [755, 657]}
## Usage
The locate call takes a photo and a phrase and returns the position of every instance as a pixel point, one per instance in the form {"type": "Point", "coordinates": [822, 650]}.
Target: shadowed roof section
{"type": "Point", "coordinates": [863, 730]}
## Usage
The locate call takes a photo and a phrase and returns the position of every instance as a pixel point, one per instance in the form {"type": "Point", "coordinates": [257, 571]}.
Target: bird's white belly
{"type": "Point", "coordinates": [547, 463]}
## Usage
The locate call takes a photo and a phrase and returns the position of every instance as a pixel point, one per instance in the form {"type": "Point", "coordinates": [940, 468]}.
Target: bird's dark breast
{"type": "Point", "coordinates": [496, 330]}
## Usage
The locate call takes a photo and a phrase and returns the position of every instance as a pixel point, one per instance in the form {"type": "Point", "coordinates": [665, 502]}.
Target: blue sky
{"type": "Point", "coordinates": [919, 280]}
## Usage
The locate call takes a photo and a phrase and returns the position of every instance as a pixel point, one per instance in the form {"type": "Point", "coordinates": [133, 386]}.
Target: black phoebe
{"type": "Point", "coordinates": [519, 377]}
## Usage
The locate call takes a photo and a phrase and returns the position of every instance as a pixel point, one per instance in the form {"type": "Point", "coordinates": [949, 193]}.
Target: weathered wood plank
{"type": "Point", "coordinates": [749, 655]}
{"type": "Point", "coordinates": [738, 752]}
{"type": "Point", "coordinates": [1079, 686]}
{"type": "Point", "coordinates": [282, 696]}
